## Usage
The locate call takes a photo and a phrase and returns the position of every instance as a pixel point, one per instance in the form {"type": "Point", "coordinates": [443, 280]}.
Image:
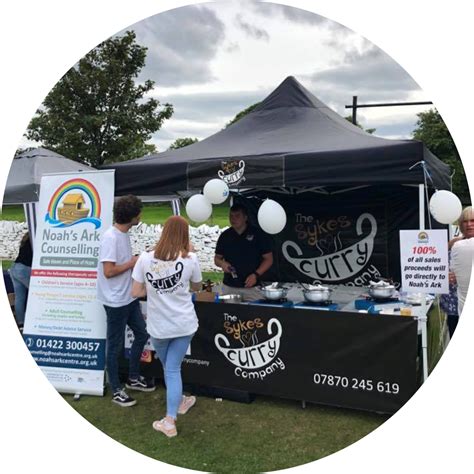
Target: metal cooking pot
{"type": "Point", "coordinates": [231, 298]}
{"type": "Point", "coordinates": [317, 295]}
{"type": "Point", "coordinates": [273, 293]}
{"type": "Point", "coordinates": [381, 292]}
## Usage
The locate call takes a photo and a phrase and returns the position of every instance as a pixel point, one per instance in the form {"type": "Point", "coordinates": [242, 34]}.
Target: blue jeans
{"type": "Point", "coordinates": [20, 275]}
{"type": "Point", "coordinates": [117, 320]}
{"type": "Point", "coordinates": [171, 353]}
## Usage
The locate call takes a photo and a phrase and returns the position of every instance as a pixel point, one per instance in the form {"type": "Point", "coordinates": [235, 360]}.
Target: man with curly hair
{"type": "Point", "coordinates": [114, 291]}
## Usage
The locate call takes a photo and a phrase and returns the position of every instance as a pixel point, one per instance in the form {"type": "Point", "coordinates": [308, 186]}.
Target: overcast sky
{"type": "Point", "coordinates": [213, 60]}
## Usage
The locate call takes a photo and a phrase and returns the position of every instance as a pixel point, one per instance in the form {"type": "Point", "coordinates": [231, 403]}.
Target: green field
{"type": "Point", "coordinates": [12, 213]}
{"type": "Point", "coordinates": [151, 214]}
{"type": "Point", "coordinates": [231, 437]}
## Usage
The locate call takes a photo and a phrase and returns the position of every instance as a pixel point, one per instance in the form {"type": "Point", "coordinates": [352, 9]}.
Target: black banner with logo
{"type": "Point", "coordinates": [343, 359]}
{"type": "Point", "coordinates": [237, 173]}
{"type": "Point", "coordinates": [348, 237]}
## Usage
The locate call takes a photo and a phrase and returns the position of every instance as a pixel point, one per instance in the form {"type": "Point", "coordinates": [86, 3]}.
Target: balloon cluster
{"type": "Point", "coordinates": [271, 215]}
{"type": "Point", "coordinates": [444, 206]}
{"type": "Point", "coordinates": [199, 206]}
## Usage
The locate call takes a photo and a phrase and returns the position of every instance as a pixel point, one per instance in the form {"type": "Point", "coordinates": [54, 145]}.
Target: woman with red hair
{"type": "Point", "coordinates": [165, 276]}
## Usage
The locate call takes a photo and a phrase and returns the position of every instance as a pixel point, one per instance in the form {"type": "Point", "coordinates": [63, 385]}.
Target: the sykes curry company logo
{"type": "Point", "coordinates": [333, 262]}
{"type": "Point", "coordinates": [76, 201]}
{"type": "Point", "coordinates": [167, 278]}
{"type": "Point", "coordinates": [252, 358]}
{"type": "Point", "coordinates": [423, 237]}
{"type": "Point", "coordinates": [232, 172]}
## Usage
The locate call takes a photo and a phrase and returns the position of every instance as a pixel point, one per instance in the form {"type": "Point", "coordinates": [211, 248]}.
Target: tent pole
{"type": "Point", "coordinates": [421, 199]}
{"type": "Point", "coordinates": [175, 207]}
{"type": "Point", "coordinates": [29, 209]}
{"type": "Point", "coordinates": [423, 319]}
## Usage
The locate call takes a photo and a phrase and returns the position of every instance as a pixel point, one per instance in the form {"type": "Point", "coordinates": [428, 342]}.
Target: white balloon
{"type": "Point", "coordinates": [198, 208]}
{"type": "Point", "coordinates": [271, 217]}
{"type": "Point", "coordinates": [445, 207]}
{"type": "Point", "coordinates": [216, 191]}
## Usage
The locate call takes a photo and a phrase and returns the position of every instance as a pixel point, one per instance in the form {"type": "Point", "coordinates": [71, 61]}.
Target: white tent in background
{"type": "Point", "coordinates": [24, 179]}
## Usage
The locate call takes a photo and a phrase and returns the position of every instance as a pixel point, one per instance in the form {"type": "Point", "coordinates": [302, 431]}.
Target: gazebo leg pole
{"type": "Point", "coordinates": [29, 209]}
{"type": "Point", "coordinates": [424, 336]}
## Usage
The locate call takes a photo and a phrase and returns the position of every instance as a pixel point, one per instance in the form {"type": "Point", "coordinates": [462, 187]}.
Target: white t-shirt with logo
{"type": "Point", "coordinates": [170, 310]}
{"type": "Point", "coordinates": [115, 247]}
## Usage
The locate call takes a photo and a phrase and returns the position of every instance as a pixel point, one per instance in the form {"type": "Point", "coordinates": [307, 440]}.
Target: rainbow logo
{"type": "Point", "coordinates": [423, 237]}
{"type": "Point", "coordinates": [76, 201]}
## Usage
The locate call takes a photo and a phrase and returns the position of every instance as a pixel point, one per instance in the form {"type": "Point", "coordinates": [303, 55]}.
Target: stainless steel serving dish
{"type": "Point", "coordinates": [381, 292]}
{"type": "Point", "coordinates": [273, 292]}
{"type": "Point", "coordinates": [317, 295]}
{"type": "Point", "coordinates": [231, 298]}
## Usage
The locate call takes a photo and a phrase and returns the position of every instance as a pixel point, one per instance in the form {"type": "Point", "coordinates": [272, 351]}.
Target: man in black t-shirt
{"type": "Point", "coordinates": [244, 254]}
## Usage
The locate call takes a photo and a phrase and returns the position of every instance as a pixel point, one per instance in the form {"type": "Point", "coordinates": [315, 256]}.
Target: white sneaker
{"type": "Point", "coordinates": [165, 427]}
{"type": "Point", "coordinates": [186, 404]}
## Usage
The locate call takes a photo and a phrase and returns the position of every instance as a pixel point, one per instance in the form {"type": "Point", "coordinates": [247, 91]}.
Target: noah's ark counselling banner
{"type": "Point", "coordinates": [65, 325]}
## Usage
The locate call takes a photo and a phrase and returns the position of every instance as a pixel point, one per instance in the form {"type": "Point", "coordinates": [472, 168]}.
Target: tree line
{"type": "Point", "coordinates": [97, 114]}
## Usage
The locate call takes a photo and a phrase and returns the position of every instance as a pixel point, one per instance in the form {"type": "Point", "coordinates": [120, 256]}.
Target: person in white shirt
{"type": "Point", "coordinates": [114, 291]}
{"type": "Point", "coordinates": [462, 253]}
{"type": "Point", "coordinates": [165, 276]}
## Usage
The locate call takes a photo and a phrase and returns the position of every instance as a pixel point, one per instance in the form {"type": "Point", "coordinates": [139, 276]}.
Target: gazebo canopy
{"type": "Point", "coordinates": [24, 178]}
{"type": "Point", "coordinates": [291, 139]}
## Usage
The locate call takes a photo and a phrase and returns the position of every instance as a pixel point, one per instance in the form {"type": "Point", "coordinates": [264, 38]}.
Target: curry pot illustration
{"type": "Point", "coordinates": [167, 282]}
{"type": "Point", "coordinates": [339, 265]}
{"type": "Point", "coordinates": [252, 357]}
{"type": "Point", "coordinates": [236, 176]}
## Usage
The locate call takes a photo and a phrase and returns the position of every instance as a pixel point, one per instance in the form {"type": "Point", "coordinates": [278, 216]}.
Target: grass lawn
{"type": "Point", "coordinates": [225, 436]}
{"type": "Point", "coordinates": [231, 437]}
{"type": "Point", "coordinates": [153, 213]}
{"type": "Point", "coordinates": [12, 213]}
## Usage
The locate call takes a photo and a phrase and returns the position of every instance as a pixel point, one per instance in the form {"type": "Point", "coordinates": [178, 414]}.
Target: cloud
{"type": "Point", "coordinates": [368, 73]}
{"type": "Point", "coordinates": [215, 107]}
{"type": "Point", "coordinates": [251, 30]}
{"type": "Point", "coordinates": [202, 115]}
{"type": "Point", "coordinates": [403, 130]}
{"type": "Point", "coordinates": [232, 47]}
{"type": "Point", "coordinates": [182, 129]}
{"type": "Point", "coordinates": [292, 14]}
{"type": "Point", "coordinates": [181, 45]}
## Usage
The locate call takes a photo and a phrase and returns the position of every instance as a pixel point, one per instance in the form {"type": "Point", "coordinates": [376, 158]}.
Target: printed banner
{"type": "Point", "coordinates": [65, 326]}
{"type": "Point", "coordinates": [237, 172]}
{"type": "Point", "coordinates": [343, 359]}
{"type": "Point", "coordinates": [349, 237]}
{"type": "Point", "coordinates": [424, 261]}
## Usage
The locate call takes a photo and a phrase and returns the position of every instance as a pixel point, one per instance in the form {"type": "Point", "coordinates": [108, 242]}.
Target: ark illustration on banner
{"type": "Point", "coordinates": [339, 265]}
{"type": "Point", "coordinates": [74, 202]}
